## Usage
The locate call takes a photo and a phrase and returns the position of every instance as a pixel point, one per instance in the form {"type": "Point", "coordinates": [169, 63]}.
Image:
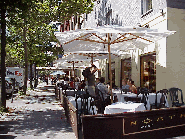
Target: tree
{"type": "Point", "coordinates": [34, 27]}
{"type": "Point", "coordinates": [6, 7]}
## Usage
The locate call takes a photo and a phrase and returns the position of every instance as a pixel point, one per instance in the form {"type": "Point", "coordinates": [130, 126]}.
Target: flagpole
{"type": "Point", "coordinates": [110, 71]}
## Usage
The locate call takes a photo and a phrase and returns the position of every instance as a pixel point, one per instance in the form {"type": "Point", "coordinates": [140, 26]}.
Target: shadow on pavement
{"type": "Point", "coordinates": [7, 137]}
{"type": "Point", "coordinates": [46, 122]}
{"type": "Point", "coordinates": [37, 123]}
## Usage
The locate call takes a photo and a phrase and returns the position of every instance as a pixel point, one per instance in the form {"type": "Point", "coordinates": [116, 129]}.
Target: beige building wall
{"type": "Point", "coordinates": [156, 22]}
{"type": "Point", "coordinates": [175, 70]}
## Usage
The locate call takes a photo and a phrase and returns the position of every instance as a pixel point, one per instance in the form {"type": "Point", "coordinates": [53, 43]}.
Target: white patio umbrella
{"type": "Point", "coordinates": [88, 55]}
{"type": "Point", "coordinates": [72, 64]}
{"type": "Point", "coordinates": [109, 38]}
{"type": "Point", "coordinates": [58, 72]}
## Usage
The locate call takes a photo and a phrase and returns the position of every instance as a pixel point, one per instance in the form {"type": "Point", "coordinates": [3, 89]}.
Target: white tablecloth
{"type": "Point", "coordinates": [72, 100]}
{"type": "Point", "coordinates": [124, 107]}
{"type": "Point", "coordinates": [62, 82]}
{"type": "Point", "coordinates": [151, 97]}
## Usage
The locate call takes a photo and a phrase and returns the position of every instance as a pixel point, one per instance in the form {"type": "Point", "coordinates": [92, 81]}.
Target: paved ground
{"type": "Point", "coordinates": [38, 116]}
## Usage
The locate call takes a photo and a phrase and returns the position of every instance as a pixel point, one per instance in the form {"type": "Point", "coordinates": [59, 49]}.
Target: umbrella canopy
{"type": "Point", "coordinates": [109, 38]}
{"type": "Point", "coordinates": [121, 38]}
{"type": "Point", "coordinates": [72, 64]}
{"type": "Point", "coordinates": [88, 55]}
{"type": "Point", "coordinates": [58, 72]}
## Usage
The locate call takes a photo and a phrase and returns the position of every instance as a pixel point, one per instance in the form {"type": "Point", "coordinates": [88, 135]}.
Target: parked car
{"type": "Point", "coordinates": [9, 86]}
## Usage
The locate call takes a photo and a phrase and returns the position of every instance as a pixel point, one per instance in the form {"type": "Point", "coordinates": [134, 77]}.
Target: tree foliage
{"type": "Point", "coordinates": [39, 33]}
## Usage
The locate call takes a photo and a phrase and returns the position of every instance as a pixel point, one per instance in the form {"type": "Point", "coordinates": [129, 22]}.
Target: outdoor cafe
{"type": "Point", "coordinates": [122, 114]}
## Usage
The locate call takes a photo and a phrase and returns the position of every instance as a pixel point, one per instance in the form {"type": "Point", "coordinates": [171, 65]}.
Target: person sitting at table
{"type": "Point", "coordinates": [81, 85]}
{"type": "Point", "coordinates": [102, 88]}
{"type": "Point", "coordinates": [101, 91]}
{"type": "Point", "coordinates": [97, 81]}
{"type": "Point", "coordinates": [124, 84]}
{"type": "Point", "coordinates": [66, 78]}
{"type": "Point", "coordinates": [72, 83]}
{"type": "Point", "coordinates": [129, 83]}
{"type": "Point", "coordinates": [133, 87]}
{"type": "Point", "coordinates": [77, 82]}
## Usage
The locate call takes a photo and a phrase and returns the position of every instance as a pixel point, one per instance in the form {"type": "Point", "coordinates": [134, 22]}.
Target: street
{"type": "Point", "coordinates": [35, 116]}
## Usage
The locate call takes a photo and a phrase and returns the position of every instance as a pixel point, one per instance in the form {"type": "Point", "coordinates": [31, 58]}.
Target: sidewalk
{"type": "Point", "coordinates": [38, 116]}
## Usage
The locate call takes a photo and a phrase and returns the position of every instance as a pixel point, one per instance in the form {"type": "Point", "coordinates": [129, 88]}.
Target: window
{"type": "Point", "coordinates": [146, 5]}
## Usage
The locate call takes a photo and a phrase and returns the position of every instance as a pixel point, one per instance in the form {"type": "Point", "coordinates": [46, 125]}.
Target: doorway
{"type": "Point", "coordinates": [125, 69]}
{"type": "Point", "coordinates": [148, 71]}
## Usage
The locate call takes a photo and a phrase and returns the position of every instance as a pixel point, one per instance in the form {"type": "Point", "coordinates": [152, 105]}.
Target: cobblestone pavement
{"type": "Point", "coordinates": [37, 116]}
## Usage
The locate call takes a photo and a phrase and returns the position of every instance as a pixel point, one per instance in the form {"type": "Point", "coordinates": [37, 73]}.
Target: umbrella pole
{"type": "Point", "coordinates": [92, 59]}
{"type": "Point", "coordinates": [110, 72]}
{"type": "Point", "coordinates": [74, 72]}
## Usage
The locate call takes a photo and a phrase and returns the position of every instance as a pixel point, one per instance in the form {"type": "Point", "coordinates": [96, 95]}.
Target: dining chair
{"type": "Point", "coordinates": [161, 103]}
{"type": "Point", "coordinates": [138, 90]}
{"type": "Point", "coordinates": [100, 101]}
{"type": "Point", "coordinates": [80, 92]}
{"type": "Point", "coordinates": [85, 108]}
{"type": "Point", "coordinates": [163, 98]}
{"type": "Point", "coordinates": [174, 94]}
{"type": "Point", "coordinates": [145, 92]}
{"type": "Point", "coordinates": [155, 105]}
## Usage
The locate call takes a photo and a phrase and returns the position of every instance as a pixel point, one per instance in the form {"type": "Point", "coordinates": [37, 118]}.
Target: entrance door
{"type": "Point", "coordinates": [125, 69]}
{"type": "Point", "coordinates": [148, 71]}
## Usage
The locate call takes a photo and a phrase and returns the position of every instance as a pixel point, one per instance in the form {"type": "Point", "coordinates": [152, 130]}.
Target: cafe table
{"type": "Point", "coordinates": [120, 107]}
{"type": "Point", "coordinates": [151, 97]}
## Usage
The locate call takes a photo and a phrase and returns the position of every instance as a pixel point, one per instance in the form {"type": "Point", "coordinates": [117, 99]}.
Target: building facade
{"type": "Point", "coordinates": [161, 64]}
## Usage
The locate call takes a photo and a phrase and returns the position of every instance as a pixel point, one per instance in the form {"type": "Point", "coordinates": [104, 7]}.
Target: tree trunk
{"type": "Point", "coordinates": [26, 59]}
{"type": "Point", "coordinates": [36, 77]}
{"type": "Point", "coordinates": [31, 78]}
{"type": "Point", "coordinates": [3, 54]}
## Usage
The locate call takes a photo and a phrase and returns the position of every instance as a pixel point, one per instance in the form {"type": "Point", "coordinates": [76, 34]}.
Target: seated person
{"type": "Point", "coordinates": [97, 81]}
{"type": "Point", "coordinates": [124, 84]}
{"type": "Point", "coordinates": [72, 83]}
{"type": "Point", "coordinates": [77, 82]}
{"type": "Point", "coordinates": [102, 88]}
{"type": "Point", "coordinates": [133, 87]}
{"type": "Point", "coordinates": [66, 78]}
{"type": "Point", "coordinates": [81, 85]}
{"type": "Point", "coordinates": [101, 91]}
